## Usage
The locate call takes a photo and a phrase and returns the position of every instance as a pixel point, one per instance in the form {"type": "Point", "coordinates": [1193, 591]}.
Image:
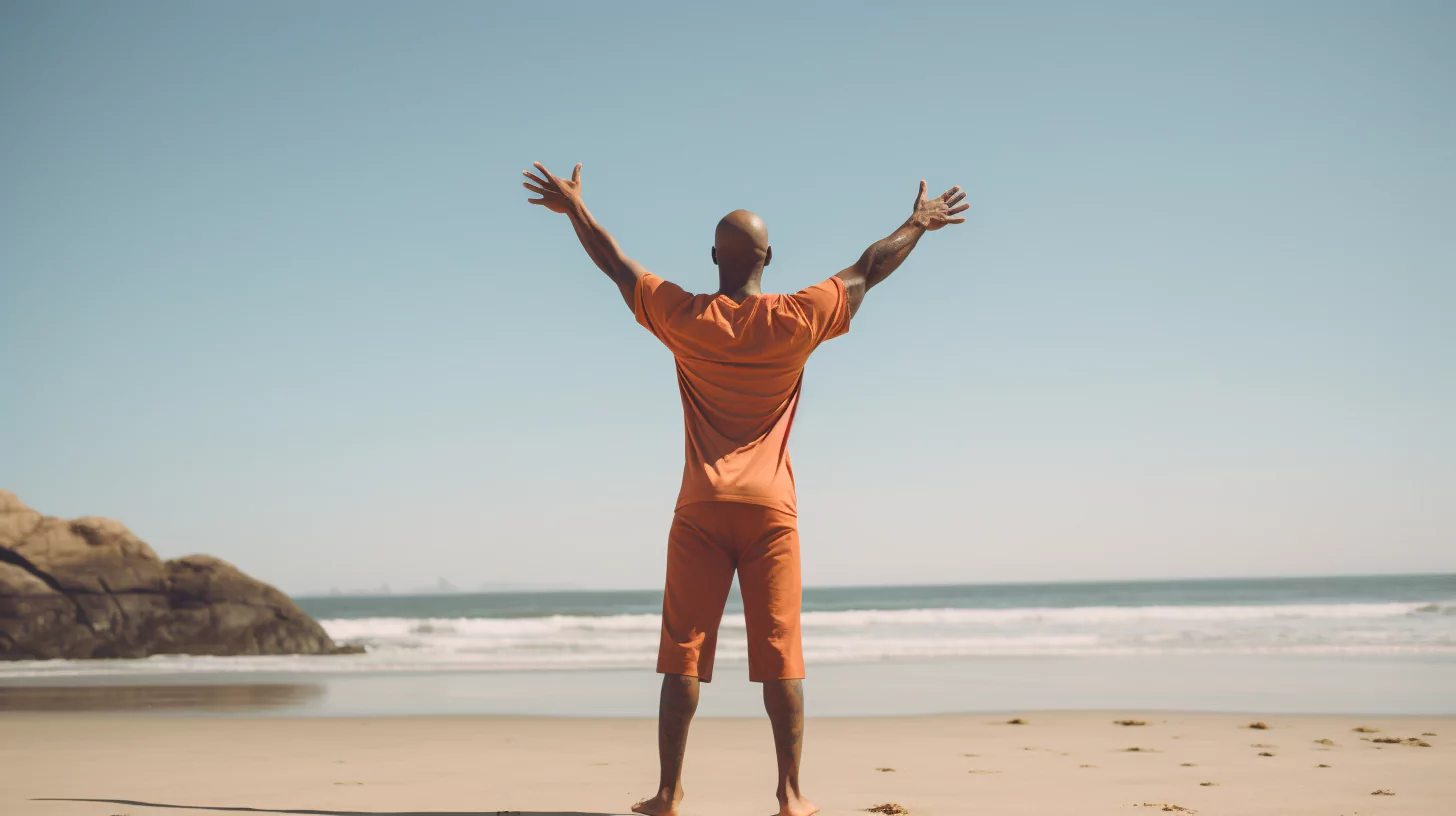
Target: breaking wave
{"type": "Point", "coordinates": [567, 642]}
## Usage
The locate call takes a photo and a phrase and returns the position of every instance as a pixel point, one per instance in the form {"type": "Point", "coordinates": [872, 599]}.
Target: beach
{"type": "Point", "coordinates": [375, 426]}
{"type": "Point", "coordinates": [1053, 762]}
{"type": "Point", "coordinates": [545, 703]}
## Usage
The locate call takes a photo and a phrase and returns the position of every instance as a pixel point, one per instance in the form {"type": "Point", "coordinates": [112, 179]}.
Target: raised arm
{"type": "Point", "coordinates": [563, 196]}
{"type": "Point", "coordinates": [886, 255]}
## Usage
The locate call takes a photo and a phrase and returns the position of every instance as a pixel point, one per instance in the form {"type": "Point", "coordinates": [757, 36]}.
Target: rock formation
{"type": "Point", "coordinates": [90, 588]}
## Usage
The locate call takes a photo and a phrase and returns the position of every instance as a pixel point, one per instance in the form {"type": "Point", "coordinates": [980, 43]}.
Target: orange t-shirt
{"type": "Point", "coordinates": [739, 369]}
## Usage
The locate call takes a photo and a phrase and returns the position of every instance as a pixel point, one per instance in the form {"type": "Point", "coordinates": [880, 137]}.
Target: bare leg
{"type": "Point", "coordinates": [784, 700]}
{"type": "Point", "coordinates": [674, 714]}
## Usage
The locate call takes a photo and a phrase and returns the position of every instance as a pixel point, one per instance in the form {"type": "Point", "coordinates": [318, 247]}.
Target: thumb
{"type": "Point", "coordinates": [921, 196]}
{"type": "Point", "coordinates": [576, 174]}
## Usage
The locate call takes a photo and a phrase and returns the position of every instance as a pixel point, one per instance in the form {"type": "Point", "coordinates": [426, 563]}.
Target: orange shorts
{"type": "Point", "coordinates": [708, 542]}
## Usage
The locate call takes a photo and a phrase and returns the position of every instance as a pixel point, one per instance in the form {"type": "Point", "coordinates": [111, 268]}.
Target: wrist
{"type": "Point", "coordinates": [917, 221]}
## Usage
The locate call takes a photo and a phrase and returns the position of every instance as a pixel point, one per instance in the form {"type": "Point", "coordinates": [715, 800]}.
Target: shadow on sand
{"type": "Point", "coordinates": [135, 803]}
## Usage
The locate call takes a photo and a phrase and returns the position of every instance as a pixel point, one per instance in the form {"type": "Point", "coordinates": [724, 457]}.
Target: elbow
{"type": "Point", "coordinates": [865, 269]}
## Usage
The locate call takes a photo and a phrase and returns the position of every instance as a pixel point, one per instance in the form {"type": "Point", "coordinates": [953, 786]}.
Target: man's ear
{"type": "Point", "coordinates": [714, 252]}
{"type": "Point", "coordinates": [768, 256]}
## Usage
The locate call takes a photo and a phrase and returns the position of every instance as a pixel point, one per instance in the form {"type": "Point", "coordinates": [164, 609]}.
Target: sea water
{"type": "Point", "coordinates": [1365, 643]}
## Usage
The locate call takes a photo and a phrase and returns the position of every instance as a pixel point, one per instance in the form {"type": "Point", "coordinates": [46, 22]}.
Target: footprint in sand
{"type": "Point", "coordinates": [885, 770]}
{"type": "Point", "coordinates": [982, 771]}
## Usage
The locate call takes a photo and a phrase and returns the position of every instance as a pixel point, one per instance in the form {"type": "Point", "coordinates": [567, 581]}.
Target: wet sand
{"type": "Point", "coordinates": [1390, 685]}
{"type": "Point", "coordinates": [1062, 762]}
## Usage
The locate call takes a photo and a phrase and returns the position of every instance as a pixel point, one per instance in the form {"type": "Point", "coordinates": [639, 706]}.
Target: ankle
{"type": "Point", "coordinates": [671, 793]}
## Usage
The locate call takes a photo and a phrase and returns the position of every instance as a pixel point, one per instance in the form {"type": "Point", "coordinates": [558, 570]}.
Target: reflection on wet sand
{"type": "Point", "coordinates": [202, 697]}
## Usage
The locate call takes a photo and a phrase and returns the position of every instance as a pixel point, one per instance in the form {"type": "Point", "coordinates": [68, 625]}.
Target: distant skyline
{"type": "Point", "coordinates": [270, 290]}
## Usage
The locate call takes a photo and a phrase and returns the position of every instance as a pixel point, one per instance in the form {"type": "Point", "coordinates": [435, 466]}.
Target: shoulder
{"type": "Point", "coordinates": [824, 296]}
{"type": "Point", "coordinates": [662, 301]}
{"type": "Point", "coordinates": [651, 287]}
{"type": "Point", "coordinates": [823, 307]}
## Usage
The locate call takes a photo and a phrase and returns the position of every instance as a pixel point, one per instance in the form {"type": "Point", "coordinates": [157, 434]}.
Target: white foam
{"type": "Point", "coordinates": [569, 642]}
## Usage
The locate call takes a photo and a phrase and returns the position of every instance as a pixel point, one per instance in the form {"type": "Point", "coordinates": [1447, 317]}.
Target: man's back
{"type": "Point", "coordinates": [740, 362]}
{"type": "Point", "coordinates": [740, 366]}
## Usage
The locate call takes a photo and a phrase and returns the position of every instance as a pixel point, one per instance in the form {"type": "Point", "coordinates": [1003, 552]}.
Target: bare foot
{"type": "Point", "coordinates": [796, 805]}
{"type": "Point", "coordinates": [663, 804]}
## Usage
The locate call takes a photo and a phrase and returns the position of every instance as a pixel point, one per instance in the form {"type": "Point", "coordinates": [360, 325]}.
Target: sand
{"type": "Point", "coordinates": [1064, 762]}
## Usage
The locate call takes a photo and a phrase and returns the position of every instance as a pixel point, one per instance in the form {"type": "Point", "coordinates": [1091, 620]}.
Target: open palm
{"type": "Point", "coordinates": [557, 195]}
{"type": "Point", "coordinates": [934, 213]}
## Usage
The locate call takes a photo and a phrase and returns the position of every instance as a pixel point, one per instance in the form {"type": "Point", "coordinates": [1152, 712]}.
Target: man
{"type": "Point", "coordinates": [740, 362]}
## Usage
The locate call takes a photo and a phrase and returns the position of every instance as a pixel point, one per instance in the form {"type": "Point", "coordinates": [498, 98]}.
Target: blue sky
{"type": "Point", "coordinates": [269, 288]}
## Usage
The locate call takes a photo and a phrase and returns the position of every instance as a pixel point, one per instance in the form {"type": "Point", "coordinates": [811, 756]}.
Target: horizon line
{"type": "Point", "coordinates": [427, 593]}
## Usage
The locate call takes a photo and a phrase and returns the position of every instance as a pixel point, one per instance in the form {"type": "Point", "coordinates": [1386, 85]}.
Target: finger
{"type": "Point", "coordinates": [948, 193]}
{"type": "Point", "coordinates": [955, 221]}
{"type": "Point", "coordinates": [533, 188]}
{"type": "Point", "coordinates": [536, 179]}
{"type": "Point", "coordinates": [535, 201]}
{"type": "Point", "coordinates": [921, 196]}
{"type": "Point", "coordinates": [544, 171]}
{"type": "Point", "coordinates": [955, 199]}
{"type": "Point", "coordinates": [576, 174]}
{"type": "Point", "coordinates": [961, 208]}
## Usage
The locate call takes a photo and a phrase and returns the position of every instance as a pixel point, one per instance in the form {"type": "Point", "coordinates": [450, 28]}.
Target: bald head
{"type": "Point", "coordinates": [741, 242]}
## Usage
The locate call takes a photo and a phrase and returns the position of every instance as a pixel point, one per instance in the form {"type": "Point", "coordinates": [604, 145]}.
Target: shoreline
{"type": "Point", "coordinates": [1269, 684]}
{"type": "Point", "coordinates": [989, 716]}
{"type": "Point", "coordinates": [1063, 762]}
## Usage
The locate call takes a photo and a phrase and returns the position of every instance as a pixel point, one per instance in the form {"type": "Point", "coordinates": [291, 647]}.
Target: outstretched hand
{"type": "Point", "coordinates": [557, 194]}
{"type": "Point", "coordinates": [934, 213]}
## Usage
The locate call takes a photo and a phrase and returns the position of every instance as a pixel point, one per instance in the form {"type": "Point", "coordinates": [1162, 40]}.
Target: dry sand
{"type": "Point", "coordinates": [1055, 763]}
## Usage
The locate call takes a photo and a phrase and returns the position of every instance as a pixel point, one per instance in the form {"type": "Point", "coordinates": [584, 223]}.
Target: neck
{"type": "Point", "coordinates": [739, 286]}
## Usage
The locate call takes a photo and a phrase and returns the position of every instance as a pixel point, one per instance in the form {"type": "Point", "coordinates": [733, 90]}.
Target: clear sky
{"type": "Point", "coordinates": [269, 288]}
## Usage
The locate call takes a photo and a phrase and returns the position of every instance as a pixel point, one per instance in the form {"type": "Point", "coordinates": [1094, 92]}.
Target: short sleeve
{"type": "Point", "coordinates": [825, 306]}
{"type": "Point", "coordinates": [654, 303]}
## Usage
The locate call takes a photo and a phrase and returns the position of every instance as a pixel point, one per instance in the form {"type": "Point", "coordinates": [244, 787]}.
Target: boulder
{"type": "Point", "coordinates": [89, 588]}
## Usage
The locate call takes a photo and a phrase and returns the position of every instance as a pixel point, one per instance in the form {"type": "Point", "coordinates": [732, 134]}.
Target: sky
{"type": "Point", "coordinates": [270, 290]}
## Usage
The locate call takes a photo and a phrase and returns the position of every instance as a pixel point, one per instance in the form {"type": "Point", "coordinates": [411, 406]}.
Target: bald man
{"type": "Point", "coordinates": [740, 357]}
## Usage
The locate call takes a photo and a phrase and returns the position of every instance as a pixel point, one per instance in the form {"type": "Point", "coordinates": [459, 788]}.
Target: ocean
{"type": "Point", "coordinates": [1194, 635]}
